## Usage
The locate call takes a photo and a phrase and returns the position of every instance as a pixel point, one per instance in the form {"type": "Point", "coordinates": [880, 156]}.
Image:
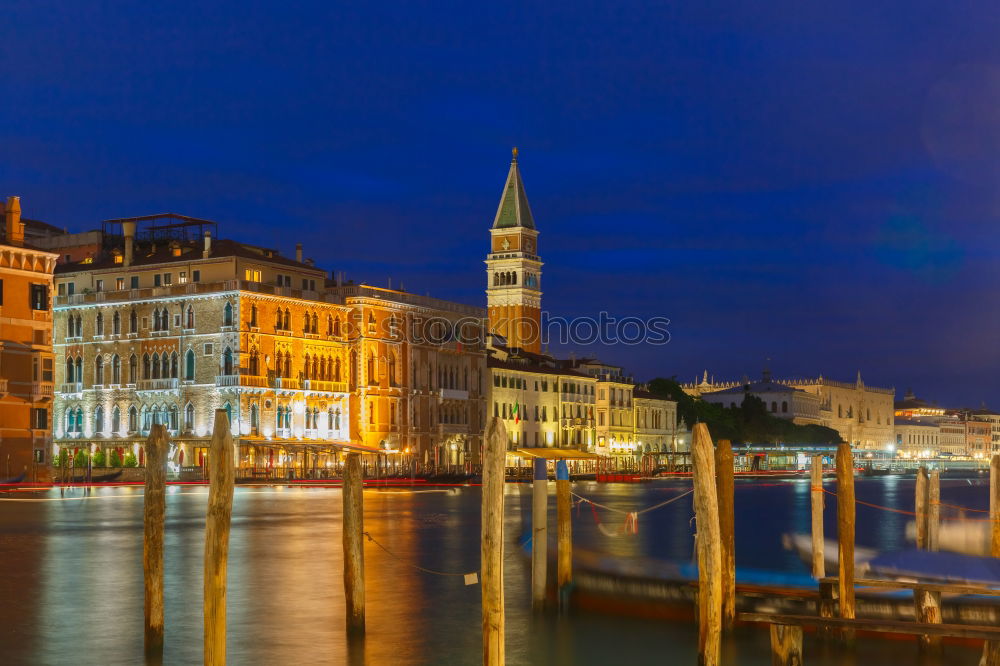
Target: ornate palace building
{"type": "Point", "coordinates": [168, 324]}
{"type": "Point", "coordinates": [26, 360]}
{"type": "Point", "coordinates": [862, 414]}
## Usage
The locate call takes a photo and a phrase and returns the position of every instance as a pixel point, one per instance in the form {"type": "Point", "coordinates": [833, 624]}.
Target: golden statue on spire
{"type": "Point", "coordinates": [513, 152]}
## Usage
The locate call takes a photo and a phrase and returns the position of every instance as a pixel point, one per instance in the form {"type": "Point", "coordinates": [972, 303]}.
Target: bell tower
{"type": "Point", "coordinates": [514, 269]}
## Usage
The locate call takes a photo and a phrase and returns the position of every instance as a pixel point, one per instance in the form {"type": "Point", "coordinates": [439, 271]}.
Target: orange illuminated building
{"type": "Point", "coordinates": [26, 361]}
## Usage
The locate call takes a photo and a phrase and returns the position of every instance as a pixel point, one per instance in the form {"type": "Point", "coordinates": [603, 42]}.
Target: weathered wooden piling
{"type": "Point", "coordinates": [220, 508]}
{"type": "Point", "coordinates": [724, 486]}
{"type": "Point", "coordinates": [354, 551]}
{"type": "Point", "coordinates": [920, 508]}
{"type": "Point", "coordinates": [786, 645]}
{"type": "Point", "coordinates": [539, 533]}
{"type": "Point", "coordinates": [995, 506]}
{"type": "Point", "coordinates": [818, 542]}
{"type": "Point", "coordinates": [154, 509]}
{"type": "Point", "coordinates": [564, 515]}
{"type": "Point", "coordinates": [845, 532]}
{"type": "Point", "coordinates": [494, 455]}
{"type": "Point", "coordinates": [933, 509]}
{"type": "Point", "coordinates": [709, 547]}
{"type": "Point", "coordinates": [927, 609]}
{"type": "Point", "coordinates": [991, 649]}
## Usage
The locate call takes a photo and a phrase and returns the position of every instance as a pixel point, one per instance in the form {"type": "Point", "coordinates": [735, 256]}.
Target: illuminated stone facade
{"type": "Point", "coordinates": [26, 359]}
{"type": "Point", "coordinates": [304, 368]}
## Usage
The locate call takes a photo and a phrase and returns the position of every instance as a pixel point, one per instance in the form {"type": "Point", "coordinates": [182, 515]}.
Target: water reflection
{"type": "Point", "coordinates": [73, 563]}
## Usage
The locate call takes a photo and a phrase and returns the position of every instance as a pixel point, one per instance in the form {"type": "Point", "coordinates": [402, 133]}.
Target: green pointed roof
{"type": "Point", "coordinates": [514, 210]}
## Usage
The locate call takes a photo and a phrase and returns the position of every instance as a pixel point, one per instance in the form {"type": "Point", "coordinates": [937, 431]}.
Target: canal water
{"type": "Point", "coordinates": [71, 574]}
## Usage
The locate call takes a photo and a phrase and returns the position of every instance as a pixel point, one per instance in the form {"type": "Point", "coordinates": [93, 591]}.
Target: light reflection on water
{"type": "Point", "coordinates": [73, 570]}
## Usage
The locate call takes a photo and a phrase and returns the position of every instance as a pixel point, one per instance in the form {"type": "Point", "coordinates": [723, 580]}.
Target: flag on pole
{"type": "Point", "coordinates": [517, 412]}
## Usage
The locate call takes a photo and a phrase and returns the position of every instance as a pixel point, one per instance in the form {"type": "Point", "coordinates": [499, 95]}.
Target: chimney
{"type": "Point", "coordinates": [128, 230]}
{"type": "Point", "coordinates": [207, 252]}
{"type": "Point", "coordinates": [12, 219]}
{"type": "Point", "coordinates": [298, 252]}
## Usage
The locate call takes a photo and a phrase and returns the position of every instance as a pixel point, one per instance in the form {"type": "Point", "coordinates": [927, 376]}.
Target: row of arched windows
{"type": "Point", "coordinates": [137, 420]}
{"type": "Point", "coordinates": [155, 366]}
{"type": "Point", "coordinates": [504, 278]}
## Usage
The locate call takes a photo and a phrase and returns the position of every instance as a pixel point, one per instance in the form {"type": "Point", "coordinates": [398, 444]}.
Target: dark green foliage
{"type": "Point", "coordinates": [116, 459]}
{"type": "Point", "coordinates": [80, 459]}
{"type": "Point", "coordinates": [750, 423]}
{"type": "Point", "coordinates": [99, 459]}
{"type": "Point", "coordinates": [130, 460]}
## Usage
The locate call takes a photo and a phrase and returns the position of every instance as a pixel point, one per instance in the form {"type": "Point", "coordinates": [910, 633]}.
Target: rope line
{"type": "Point", "coordinates": [409, 564]}
{"type": "Point", "coordinates": [637, 513]}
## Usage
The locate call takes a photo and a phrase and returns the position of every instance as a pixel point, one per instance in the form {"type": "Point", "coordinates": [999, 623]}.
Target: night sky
{"type": "Point", "coordinates": [814, 183]}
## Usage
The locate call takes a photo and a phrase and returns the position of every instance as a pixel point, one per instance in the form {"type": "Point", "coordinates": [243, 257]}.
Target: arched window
{"type": "Point", "coordinates": [496, 279]}
{"type": "Point", "coordinates": [70, 327]}
{"type": "Point", "coordinates": [173, 365]}
{"type": "Point", "coordinates": [279, 416]}
{"type": "Point", "coordinates": [189, 417]}
{"type": "Point", "coordinates": [329, 324]}
{"type": "Point", "coordinates": [156, 320]}
{"type": "Point", "coordinates": [99, 324]}
{"type": "Point", "coordinates": [70, 378]}
{"type": "Point", "coordinates": [116, 323]}
{"type": "Point", "coordinates": [774, 406]}
{"type": "Point", "coordinates": [371, 368]}
{"type": "Point", "coordinates": [288, 320]}
{"type": "Point", "coordinates": [305, 323]}
{"type": "Point", "coordinates": [189, 320]}
{"type": "Point", "coordinates": [133, 322]}
{"type": "Point", "coordinates": [227, 314]}
{"type": "Point", "coordinates": [116, 369]}
{"type": "Point", "coordinates": [392, 370]}
{"type": "Point", "coordinates": [253, 315]}
{"type": "Point", "coordinates": [189, 365]}
{"type": "Point", "coordinates": [305, 368]}
{"type": "Point", "coordinates": [336, 370]}
{"type": "Point", "coordinates": [155, 366]}
{"type": "Point", "coordinates": [513, 278]}
{"type": "Point", "coordinates": [254, 419]}
{"type": "Point", "coordinates": [133, 419]}
{"type": "Point", "coordinates": [784, 407]}
{"type": "Point", "coordinates": [315, 323]}
{"type": "Point", "coordinates": [99, 420]}
{"type": "Point", "coordinates": [133, 364]}
{"type": "Point", "coordinates": [165, 324]}
{"type": "Point", "coordinates": [254, 363]}
{"type": "Point", "coordinates": [146, 420]}
{"type": "Point", "coordinates": [227, 361]}
{"type": "Point", "coordinates": [99, 369]}
{"type": "Point", "coordinates": [116, 420]}
{"type": "Point", "coordinates": [336, 326]}
{"type": "Point", "coordinates": [278, 319]}
{"type": "Point", "coordinates": [79, 370]}
{"type": "Point", "coordinates": [172, 424]}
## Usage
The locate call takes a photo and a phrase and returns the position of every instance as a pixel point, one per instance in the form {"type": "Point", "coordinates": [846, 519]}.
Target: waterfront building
{"type": "Point", "coordinates": [544, 403]}
{"type": "Point", "coordinates": [979, 439]}
{"type": "Point", "coordinates": [655, 420]}
{"type": "Point", "coordinates": [992, 417]}
{"type": "Point", "coordinates": [787, 402]}
{"type": "Point", "coordinates": [917, 439]}
{"type": "Point", "coordinates": [169, 324]}
{"type": "Point", "coordinates": [861, 414]}
{"type": "Point", "coordinates": [26, 359]}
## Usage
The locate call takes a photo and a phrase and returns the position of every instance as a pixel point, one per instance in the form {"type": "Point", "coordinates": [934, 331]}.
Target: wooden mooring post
{"type": "Point", "coordinates": [724, 485]}
{"type": "Point", "coordinates": [991, 649]}
{"type": "Point", "coordinates": [818, 542]}
{"type": "Point", "coordinates": [786, 645]}
{"type": "Point", "coordinates": [354, 551]}
{"type": "Point", "coordinates": [494, 455]}
{"type": "Point", "coordinates": [920, 508]}
{"type": "Point", "coordinates": [933, 509]}
{"type": "Point", "coordinates": [709, 547]}
{"type": "Point", "coordinates": [845, 534]}
{"type": "Point", "coordinates": [564, 516]}
{"type": "Point", "coordinates": [220, 509]}
{"type": "Point", "coordinates": [154, 509]}
{"type": "Point", "coordinates": [539, 533]}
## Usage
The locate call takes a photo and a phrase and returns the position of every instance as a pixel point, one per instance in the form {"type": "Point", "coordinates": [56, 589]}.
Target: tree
{"type": "Point", "coordinates": [99, 458]}
{"type": "Point", "coordinates": [80, 459]}
{"type": "Point", "coordinates": [130, 460]}
{"type": "Point", "coordinates": [63, 456]}
{"type": "Point", "coordinates": [116, 459]}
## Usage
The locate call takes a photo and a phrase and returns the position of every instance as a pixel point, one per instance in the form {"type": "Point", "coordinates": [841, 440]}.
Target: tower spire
{"type": "Point", "coordinates": [513, 210]}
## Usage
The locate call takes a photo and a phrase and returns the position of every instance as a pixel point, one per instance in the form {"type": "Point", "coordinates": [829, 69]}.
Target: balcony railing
{"type": "Point", "coordinates": [254, 381]}
{"type": "Point", "coordinates": [287, 383]}
{"type": "Point", "coordinates": [227, 380]}
{"type": "Point", "coordinates": [325, 386]}
{"type": "Point", "coordinates": [41, 391]}
{"type": "Point", "coordinates": [454, 394]}
{"type": "Point", "coordinates": [72, 387]}
{"type": "Point", "coordinates": [164, 384]}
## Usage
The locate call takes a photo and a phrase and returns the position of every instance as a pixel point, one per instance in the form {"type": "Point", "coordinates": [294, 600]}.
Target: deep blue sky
{"type": "Point", "coordinates": [818, 183]}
